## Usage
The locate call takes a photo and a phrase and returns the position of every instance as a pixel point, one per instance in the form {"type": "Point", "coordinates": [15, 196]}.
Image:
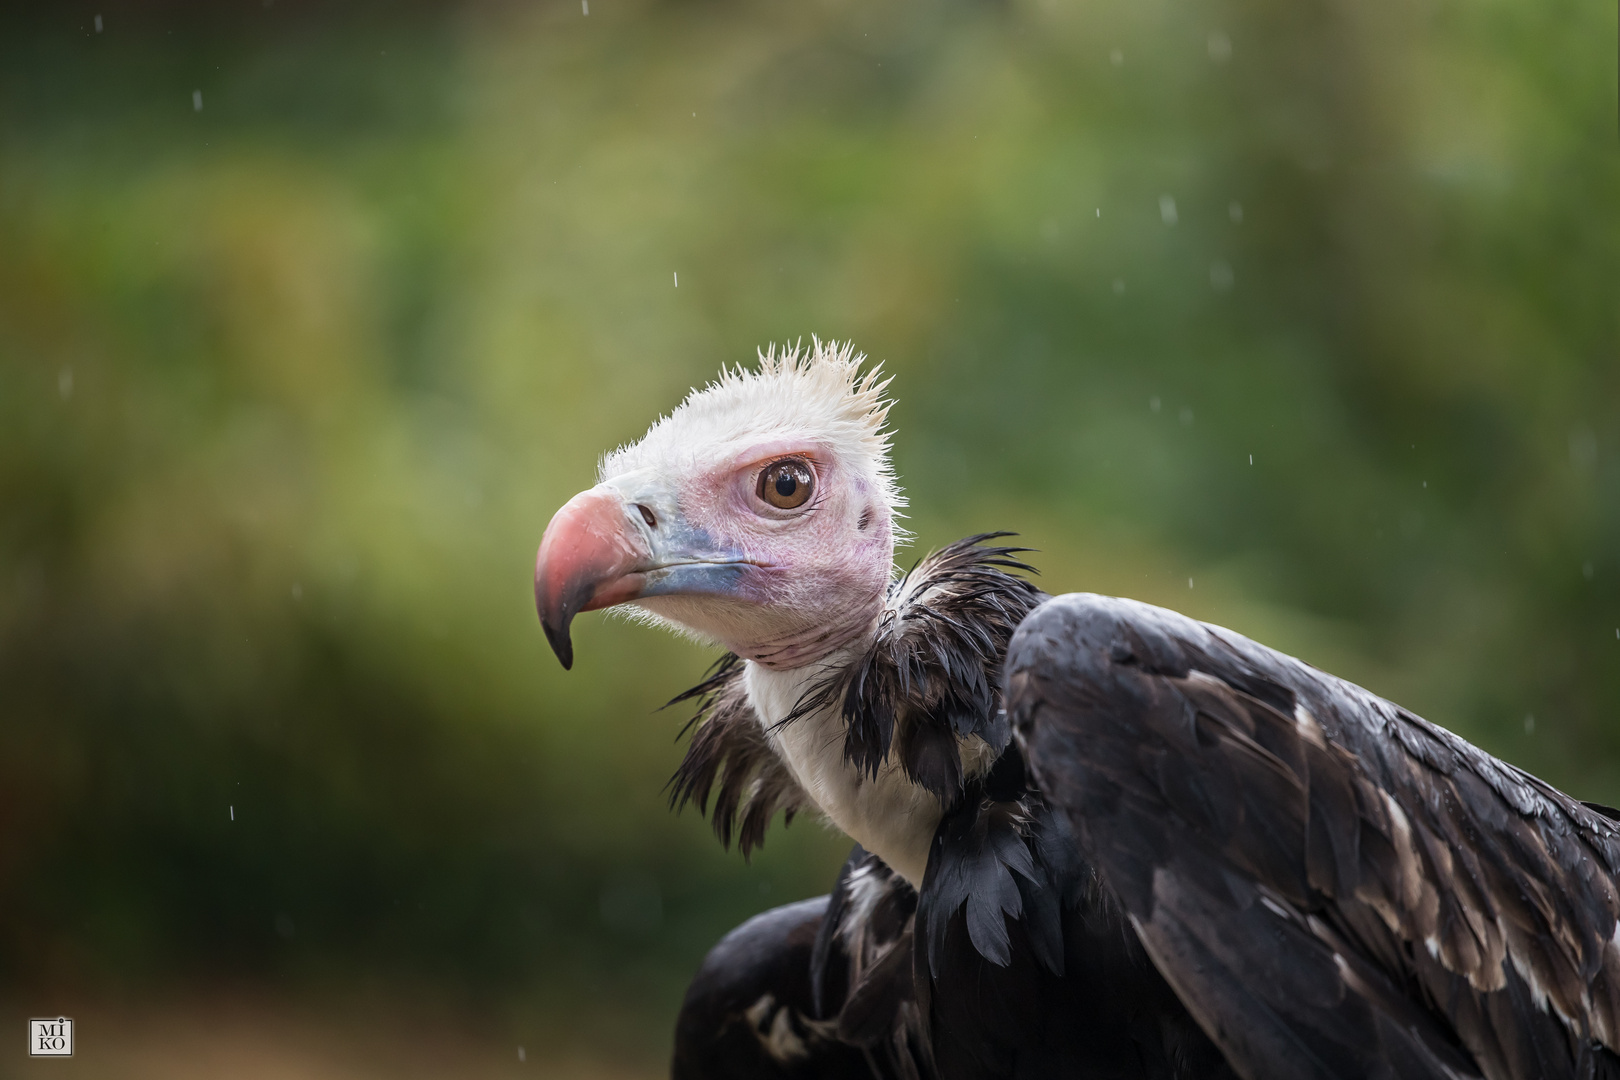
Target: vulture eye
{"type": "Point", "coordinates": [786, 484]}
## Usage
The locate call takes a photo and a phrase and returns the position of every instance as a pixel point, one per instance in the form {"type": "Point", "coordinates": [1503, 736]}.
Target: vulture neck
{"type": "Point", "coordinates": [812, 649]}
{"type": "Point", "coordinates": [880, 734]}
{"type": "Point", "coordinates": [886, 814]}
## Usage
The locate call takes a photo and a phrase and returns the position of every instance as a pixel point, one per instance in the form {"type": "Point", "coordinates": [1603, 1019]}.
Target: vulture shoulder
{"type": "Point", "coordinates": [1333, 886]}
{"type": "Point", "coordinates": [816, 990]}
{"type": "Point", "coordinates": [749, 1013]}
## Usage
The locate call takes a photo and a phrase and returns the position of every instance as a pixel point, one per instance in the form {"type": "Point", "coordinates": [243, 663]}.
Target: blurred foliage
{"type": "Point", "coordinates": [1298, 317]}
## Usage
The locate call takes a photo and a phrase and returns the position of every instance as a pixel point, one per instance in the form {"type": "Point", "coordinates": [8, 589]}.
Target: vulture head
{"type": "Point", "coordinates": [758, 515]}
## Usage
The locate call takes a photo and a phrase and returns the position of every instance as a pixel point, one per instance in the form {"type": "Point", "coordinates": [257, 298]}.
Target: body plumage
{"type": "Point", "coordinates": [1094, 838]}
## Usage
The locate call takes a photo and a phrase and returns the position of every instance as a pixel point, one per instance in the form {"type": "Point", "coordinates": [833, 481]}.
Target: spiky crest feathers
{"type": "Point", "coordinates": [820, 393]}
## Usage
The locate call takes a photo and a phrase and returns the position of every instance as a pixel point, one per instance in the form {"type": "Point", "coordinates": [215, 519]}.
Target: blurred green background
{"type": "Point", "coordinates": [1296, 315]}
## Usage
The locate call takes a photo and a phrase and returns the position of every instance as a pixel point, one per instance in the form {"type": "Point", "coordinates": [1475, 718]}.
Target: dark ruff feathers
{"type": "Point", "coordinates": [930, 675]}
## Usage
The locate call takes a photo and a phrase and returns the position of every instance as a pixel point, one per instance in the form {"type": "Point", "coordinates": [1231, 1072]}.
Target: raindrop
{"type": "Point", "coordinates": [1586, 571]}
{"type": "Point", "coordinates": [1153, 403]}
{"type": "Point", "coordinates": [1529, 723]}
{"type": "Point", "coordinates": [98, 24]}
{"type": "Point", "coordinates": [1116, 57]}
{"type": "Point", "coordinates": [233, 813]}
{"type": "Point", "coordinates": [1425, 485]}
{"type": "Point", "coordinates": [1099, 211]}
{"type": "Point", "coordinates": [1220, 276]}
{"type": "Point", "coordinates": [64, 383]}
{"type": "Point", "coordinates": [1189, 583]}
{"type": "Point", "coordinates": [1234, 210]}
{"type": "Point", "coordinates": [522, 1056]}
{"type": "Point", "coordinates": [1186, 416]}
{"type": "Point", "coordinates": [1167, 210]}
{"type": "Point", "coordinates": [297, 591]}
{"type": "Point", "coordinates": [196, 101]}
{"type": "Point", "coordinates": [677, 274]}
{"type": "Point", "coordinates": [1251, 459]}
{"type": "Point", "coordinates": [1220, 47]}
{"type": "Point", "coordinates": [1119, 286]}
{"type": "Point", "coordinates": [585, 6]}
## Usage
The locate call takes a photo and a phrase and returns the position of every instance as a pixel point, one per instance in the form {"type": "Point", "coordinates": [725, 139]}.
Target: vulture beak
{"type": "Point", "coordinates": [620, 541]}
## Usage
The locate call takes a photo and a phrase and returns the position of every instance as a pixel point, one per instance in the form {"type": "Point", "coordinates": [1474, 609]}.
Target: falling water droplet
{"type": "Point", "coordinates": [196, 101]}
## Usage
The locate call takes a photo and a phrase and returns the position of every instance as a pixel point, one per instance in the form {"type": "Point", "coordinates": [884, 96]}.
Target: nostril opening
{"type": "Point", "coordinates": [647, 516]}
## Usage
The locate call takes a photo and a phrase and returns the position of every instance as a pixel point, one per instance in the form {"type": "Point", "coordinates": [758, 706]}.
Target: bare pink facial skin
{"type": "Point", "coordinates": [701, 549]}
{"type": "Point", "coordinates": [817, 573]}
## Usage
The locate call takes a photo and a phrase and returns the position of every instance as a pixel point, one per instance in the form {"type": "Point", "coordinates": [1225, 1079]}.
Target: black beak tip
{"type": "Point", "coordinates": [561, 643]}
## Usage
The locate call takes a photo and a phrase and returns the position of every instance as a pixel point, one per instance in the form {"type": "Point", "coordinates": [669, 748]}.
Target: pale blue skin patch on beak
{"type": "Point", "coordinates": [684, 559]}
{"type": "Point", "coordinates": [703, 579]}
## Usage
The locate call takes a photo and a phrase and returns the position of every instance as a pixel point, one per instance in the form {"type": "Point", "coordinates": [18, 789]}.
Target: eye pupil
{"type": "Point", "coordinates": [786, 484]}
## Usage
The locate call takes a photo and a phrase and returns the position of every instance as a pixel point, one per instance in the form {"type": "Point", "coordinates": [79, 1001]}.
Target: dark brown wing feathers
{"type": "Point", "coordinates": [1333, 885]}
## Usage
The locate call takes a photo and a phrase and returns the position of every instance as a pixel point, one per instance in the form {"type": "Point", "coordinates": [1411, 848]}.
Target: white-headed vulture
{"type": "Point", "coordinates": [1095, 838]}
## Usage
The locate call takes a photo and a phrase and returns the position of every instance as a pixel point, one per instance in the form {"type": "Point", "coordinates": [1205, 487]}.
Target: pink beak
{"type": "Point", "coordinates": [591, 556]}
